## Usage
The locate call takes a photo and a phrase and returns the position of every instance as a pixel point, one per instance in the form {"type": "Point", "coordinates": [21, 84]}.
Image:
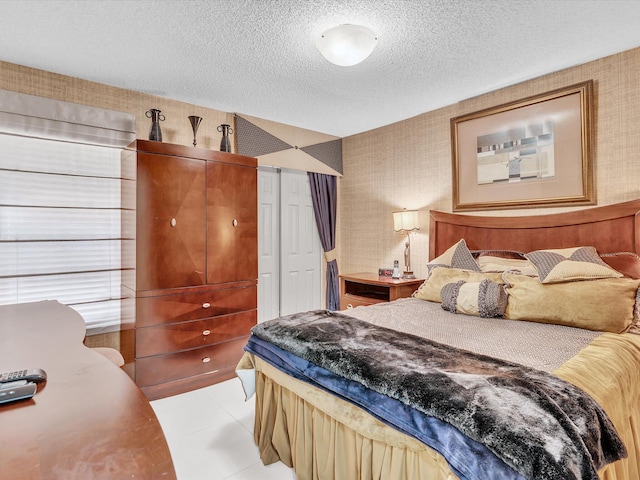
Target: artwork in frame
{"type": "Point", "coordinates": [533, 152]}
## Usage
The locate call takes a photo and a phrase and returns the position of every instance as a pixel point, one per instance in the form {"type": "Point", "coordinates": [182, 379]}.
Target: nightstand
{"type": "Point", "coordinates": [358, 289]}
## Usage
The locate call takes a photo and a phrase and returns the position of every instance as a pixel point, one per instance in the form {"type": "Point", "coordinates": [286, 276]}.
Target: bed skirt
{"type": "Point", "coordinates": [324, 438]}
{"type": "Point", "coordinates": [318, 447]}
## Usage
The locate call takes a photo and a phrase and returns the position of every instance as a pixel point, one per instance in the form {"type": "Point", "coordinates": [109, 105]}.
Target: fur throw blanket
{"type": "Point", "coordinates": [540, 425]}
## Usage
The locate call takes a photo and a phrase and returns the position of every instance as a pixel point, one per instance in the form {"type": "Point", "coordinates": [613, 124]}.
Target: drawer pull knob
{"type": "Point", "coordinates": [234, 223]}
{"type": "Point", "coordinates": [206, 305]}
{"type": "Point", "coordinates": [206, 332]}
{"type": "Point", "coordinates": [349, 306]}
{"type": "Point", "coordinates": [206, 360]}
{"type": "Point", "coordinates": [173, 222]}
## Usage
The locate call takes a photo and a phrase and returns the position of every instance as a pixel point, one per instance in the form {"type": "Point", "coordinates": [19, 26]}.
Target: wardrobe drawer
{"type": "Point", "coordinates": [194, 306]}
{"type": "Point", "coordinates": [193, 334]}
{"type": "Point", "coordinates": [174, 366]}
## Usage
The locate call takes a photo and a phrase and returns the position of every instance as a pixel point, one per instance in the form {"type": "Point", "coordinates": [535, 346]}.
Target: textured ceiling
{"type": "Point", "coordinates": [258, 57]}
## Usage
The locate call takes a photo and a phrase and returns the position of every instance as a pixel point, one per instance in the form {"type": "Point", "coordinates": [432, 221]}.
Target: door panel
{"type": "Point", "coordinates": [268, 244]}
{"type": "Point", "coordinates": [232, 221]}
{"type": "Point", "coordinates": [171, 218]}
{"type": "Point", "coordinates": [300, 246]}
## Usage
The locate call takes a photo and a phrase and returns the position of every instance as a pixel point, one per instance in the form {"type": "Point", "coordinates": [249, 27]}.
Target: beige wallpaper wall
{"type": "Point", "coordinates": [408, 164]}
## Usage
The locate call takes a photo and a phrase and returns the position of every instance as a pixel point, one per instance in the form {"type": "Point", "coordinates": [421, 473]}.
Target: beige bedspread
{"type": "Point", "coordinates": [325, 438]}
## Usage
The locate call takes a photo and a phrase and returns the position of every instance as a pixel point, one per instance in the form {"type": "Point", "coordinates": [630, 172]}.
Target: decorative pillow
{"type": "Point", "coordinates": [605, 304]}
{"type": "Point", "coordinates": [485, 299]}
{"type": "Point", "coordinates": [498, 264]}
{"type": "Point", "coordinates": [440, 276]}
{"type": "Point", "coordinates": [627, 263]}
{"type": "Point", "coordinates": [457, 256]}
{"type": "Point", "coordinates": [567, 264]}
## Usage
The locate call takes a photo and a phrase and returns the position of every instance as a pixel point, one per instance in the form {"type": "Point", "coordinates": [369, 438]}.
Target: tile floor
{"type": "Point", "coordinates": [210, 435]}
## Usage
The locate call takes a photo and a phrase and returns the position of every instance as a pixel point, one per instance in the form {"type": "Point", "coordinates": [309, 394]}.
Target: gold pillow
{"type": "Point", "coordinates": [440, 276]}
{"type": "Point", "coordinates": [605, 304]}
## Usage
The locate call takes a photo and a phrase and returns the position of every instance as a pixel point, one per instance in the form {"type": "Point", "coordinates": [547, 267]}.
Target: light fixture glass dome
{"type": "Point", "coordinates": [347, 45]}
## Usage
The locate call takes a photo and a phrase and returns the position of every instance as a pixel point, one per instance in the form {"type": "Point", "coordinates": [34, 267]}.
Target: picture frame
{"type": "Point", "coordinates": [534, 152]}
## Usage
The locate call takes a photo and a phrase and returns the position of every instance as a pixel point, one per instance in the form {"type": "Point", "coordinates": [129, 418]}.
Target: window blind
{"type": "Point", "coordinates": [60, 207]}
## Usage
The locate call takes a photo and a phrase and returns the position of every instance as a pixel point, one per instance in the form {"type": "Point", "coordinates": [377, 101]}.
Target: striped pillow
{"type": "Point", "coordinates": [484, 299]}
{"type": "Point", "coordinates": [568, 264]}
{"type": "Point", "coordinates": [456, 256]}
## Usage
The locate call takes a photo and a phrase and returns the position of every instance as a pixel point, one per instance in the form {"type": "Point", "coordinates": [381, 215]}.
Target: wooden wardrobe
{"type": "Point", "coordinates": [190, 255]}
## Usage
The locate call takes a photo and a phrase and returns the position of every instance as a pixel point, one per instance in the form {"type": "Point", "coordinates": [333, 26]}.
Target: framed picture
{"type": "Point", "coordinates": [534, 152]}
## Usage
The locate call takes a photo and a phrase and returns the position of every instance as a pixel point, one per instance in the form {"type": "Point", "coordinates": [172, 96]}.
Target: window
{"type": "Point", "coordinates": [60, 216]}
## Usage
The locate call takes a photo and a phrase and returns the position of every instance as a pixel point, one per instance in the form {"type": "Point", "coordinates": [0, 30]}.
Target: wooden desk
{"type": "Point", "coordinates": [88, 421]}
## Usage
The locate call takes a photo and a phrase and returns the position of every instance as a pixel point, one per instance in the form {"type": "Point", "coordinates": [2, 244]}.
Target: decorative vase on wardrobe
{"type": "Point", "coordinates": [195, 123]}
{"type": "Point", "coordinates": [225, 144]}
{"type": "Point", "coordinates": [155, 134]}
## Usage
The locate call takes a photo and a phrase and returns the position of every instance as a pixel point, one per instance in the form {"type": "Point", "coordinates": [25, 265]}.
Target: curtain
{"type": "Point", "coordinates": [325, 197]}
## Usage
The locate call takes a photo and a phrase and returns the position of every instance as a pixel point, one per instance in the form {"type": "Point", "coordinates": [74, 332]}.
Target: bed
{"type": "Point", "coordinates": [323, 411]}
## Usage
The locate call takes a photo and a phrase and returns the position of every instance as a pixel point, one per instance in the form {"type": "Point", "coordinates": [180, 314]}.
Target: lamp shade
{"type": "Point", "coordinates": [405, 220]}
{"type": "Point", "coordinates": [347, 45]}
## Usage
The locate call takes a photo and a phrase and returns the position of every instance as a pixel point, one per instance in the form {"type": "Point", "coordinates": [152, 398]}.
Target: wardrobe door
{"type": "Point", "coordinates": [232, 223]}
{"type": "Point", "coordinates": [171, 216]}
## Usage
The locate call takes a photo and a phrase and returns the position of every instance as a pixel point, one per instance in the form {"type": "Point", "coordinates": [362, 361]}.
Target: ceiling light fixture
{"type": "Point", "coordinates": [347, 45]}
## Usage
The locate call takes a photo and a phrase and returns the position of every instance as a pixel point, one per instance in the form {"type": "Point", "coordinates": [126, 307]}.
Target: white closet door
{"type": "Point", "coordinates": [301, 251]}
{"type": "Point", "coordinates": [289, 249]}
{"type": "Point", "coordinates": [268, 243]}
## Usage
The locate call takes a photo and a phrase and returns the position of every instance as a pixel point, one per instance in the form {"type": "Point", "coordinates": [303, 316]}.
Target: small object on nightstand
{"type": "Point", "coordinates": [396, 269]}
{"type": "Point", "coordinates": [385, 272]}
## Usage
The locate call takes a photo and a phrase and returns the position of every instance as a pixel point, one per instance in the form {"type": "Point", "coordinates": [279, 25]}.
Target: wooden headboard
{"type": "Point", "coordinates": [612, 228]}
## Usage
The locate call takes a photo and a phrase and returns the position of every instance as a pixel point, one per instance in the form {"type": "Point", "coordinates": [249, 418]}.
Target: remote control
{"type": "Point", "coordinates": [36, 375]}
{"type": "Point", "coordinates": [13, 391]}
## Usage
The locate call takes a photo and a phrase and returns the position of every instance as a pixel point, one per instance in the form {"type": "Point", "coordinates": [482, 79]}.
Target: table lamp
{"type": "Point", "coordinates": [406, 221]}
